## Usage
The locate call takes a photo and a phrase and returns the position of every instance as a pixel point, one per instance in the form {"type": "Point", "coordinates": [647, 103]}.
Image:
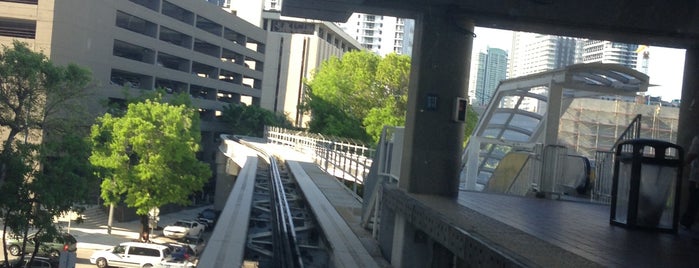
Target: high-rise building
{"type": "Point", "coordinates": [491, 69]}
{"type": "Point", "coordinates": [381, 34]}
{"type": "Point", "coordinates": [610, 52]}
{"type": "Point", "coordinates": [534, 53]}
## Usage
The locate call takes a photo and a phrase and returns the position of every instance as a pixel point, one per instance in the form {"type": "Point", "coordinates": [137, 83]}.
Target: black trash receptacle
{"type": "Point", "coordinates": [646, 185]}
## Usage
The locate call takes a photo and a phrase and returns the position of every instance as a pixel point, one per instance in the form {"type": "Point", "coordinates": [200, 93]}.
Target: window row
{"type": "Point", "coordinates": [173, 11]}
{"type": "Point", "coordinates": [147, 55]}
{"type": "Point", "coordinates": [333, 39]}
{"type": "Point", "coordinates": [205, 115]}
{"type": "Point", "coordinates": [128, 79]}
{"type": "Point", "coordinates": [171, 36]}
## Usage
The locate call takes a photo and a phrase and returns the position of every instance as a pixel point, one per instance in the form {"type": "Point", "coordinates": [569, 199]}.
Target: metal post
{"type": "Point", "coordinates": [344, 166]}
{"type": "Point", "coordinates": [70, 215]}
{"type": "Point", "coordinates": [111, 217]}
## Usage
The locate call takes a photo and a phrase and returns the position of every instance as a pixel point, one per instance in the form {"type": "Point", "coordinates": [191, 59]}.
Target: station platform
{"type": "Point", "coordinates": [557, 233]}
{"type": "Point", "coordinates": [533, 232]}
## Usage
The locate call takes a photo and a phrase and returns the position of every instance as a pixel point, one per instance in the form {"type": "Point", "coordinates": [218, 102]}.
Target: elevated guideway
{"type": "Point", "coordinates": [347, 245]}
{"type": "Point", "coordinates": [480, 228]}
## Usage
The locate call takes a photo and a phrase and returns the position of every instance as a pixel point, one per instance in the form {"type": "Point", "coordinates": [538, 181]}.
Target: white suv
{"type": "Point", "coordinates": [131, 254]}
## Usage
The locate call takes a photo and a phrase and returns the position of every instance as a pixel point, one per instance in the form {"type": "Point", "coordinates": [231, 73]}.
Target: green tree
{"type": "Point", "coordinates": [250, 120]}
{"type": "Point", "coordinates": [388, 115]}
{"type": "Point", "coordinates": [147, 158]}
{"type": "Point", "coordinates": [392, 77]}
{"type": "Point", "coordinates": [36, 96]}
{"type": "Point", "coordinates": [470, 125]}
{"type": "Point", "coordinates": [357, 95]}
{"type": "Point", "coordinates": [40, 102]}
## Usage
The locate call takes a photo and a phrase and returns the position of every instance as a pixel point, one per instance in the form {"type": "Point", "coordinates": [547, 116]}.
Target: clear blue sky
{"type": "Point", "coordinates": [665, 65]}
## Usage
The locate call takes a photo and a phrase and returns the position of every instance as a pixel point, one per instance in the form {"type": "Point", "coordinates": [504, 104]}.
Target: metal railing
{"type": "Point", "coordinates": [345, 159]}
{"type": "Point", "coordinates": [604, 164]}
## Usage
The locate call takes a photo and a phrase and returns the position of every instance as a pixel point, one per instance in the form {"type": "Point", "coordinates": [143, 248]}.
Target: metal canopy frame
{"type": "Point", "coordinates": [517, 116]}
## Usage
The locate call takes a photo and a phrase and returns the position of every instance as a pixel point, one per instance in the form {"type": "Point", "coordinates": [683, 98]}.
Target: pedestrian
{"type": "Point", "coordinates": [145, 237]}
{"type": "Point", "coordinates": [691, 159]}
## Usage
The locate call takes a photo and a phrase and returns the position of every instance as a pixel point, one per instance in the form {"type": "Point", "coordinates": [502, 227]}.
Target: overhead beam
{"type": "Point", "coordinates": [652, 22]}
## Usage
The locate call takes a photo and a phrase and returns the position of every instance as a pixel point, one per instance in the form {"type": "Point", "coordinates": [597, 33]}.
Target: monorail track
{"type": "Point", "coordinates": [282, 231]}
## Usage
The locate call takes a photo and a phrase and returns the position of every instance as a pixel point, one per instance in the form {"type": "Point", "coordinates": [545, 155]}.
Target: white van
{"type": "Point", "coordinates": [130, 254]}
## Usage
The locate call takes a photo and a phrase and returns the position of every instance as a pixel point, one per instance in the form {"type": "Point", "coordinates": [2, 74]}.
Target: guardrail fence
{"type": "Point", "coordinates": [345, 159]}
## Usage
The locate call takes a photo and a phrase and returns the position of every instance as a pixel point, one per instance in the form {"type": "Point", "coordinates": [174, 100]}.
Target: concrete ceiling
{"type": "Point", "coordinates": [670, 23]}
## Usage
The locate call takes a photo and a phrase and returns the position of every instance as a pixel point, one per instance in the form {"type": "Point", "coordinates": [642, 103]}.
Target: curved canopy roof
{"type": "Point", "coordinates": [517, 114]}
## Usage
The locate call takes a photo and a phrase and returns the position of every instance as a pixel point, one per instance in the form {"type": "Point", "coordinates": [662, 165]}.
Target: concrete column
{"type": "Point", "coordinates": [689, 111]}
{"type": "Point", "coordinates": [410, 246]}
{"type": "Point", "coordinates": [553, 114]}
{"type": "Point", "coordinates": [440, 71]}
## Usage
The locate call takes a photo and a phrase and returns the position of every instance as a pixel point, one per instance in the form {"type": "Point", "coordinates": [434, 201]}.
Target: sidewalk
{"type": "Point", "coordinates": [92, 233]}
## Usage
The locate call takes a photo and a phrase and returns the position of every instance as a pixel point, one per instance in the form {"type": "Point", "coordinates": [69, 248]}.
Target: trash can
{"type": "Point", "coordinates": [646, 185]}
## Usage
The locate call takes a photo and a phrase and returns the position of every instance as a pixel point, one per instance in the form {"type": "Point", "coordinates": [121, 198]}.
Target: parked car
{"type": "Point", "coordinates": [37, 262]}
{"type": "Point", "coordinates": [206, 224]}
{"type": "Point", "coordinates": [131, 254]}
{"type": "Point", "coordinates": [181, 252]}
{"type": "Point", "coordinates": [210, 216]}
{"type": "Point", "coordinates": [196, 243]}
{"type": "Point", "coordinates": [51, 248]}
{"type": "Point", "coordinates": [183, 228]}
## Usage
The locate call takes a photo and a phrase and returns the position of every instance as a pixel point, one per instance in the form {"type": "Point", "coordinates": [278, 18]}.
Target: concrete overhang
{"type": "Point", "coordinates": [653, 22]}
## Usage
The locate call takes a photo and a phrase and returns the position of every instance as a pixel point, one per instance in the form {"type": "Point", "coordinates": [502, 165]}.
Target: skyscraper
{"type": "Point", "coordinates": [534, 53]}
{"type": "Point", "coordinates": [610, 52]}
{"type": "Point", "coordinates": [381, 34]}
{"type": "Point", "coordinates": [491, 69]}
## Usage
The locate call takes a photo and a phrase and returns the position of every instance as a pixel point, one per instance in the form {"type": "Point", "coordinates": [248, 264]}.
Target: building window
{"type": "Point", "coordinates": [17, 28]}
{"type": "Point", "coordinates": [33, 2]}
{"type": "Point", "coordinates": [136, 24]}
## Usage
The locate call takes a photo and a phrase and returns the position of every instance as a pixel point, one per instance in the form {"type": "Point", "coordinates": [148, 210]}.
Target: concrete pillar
{"type": "Point", "coordinates": [413, 249]}
{"type": "Point", "coordinates": [689, 111]}
{"type": "Point", "coordinates": [441, 256]}
{"type": "Point", "coordinates": [440, 71]}
{"type": "Point", "coordinates": [553, 114]}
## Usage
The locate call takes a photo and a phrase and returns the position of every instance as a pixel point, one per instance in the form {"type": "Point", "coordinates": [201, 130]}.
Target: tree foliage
{"type": "Point", "coordinates": [147, 157]}
{"type": "Point", "coordinates": [471, 123]}
{"type": "Point", "coordinates": [41, 102]}
{"type": "Point", "coordinates": [249, 120]}
{"type": "Point", "coordinates": [357, 95]}
{"type": "Point", "coordinates": [37, 95]}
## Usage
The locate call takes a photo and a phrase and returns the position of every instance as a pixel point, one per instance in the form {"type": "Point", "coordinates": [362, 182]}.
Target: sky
{"type": "Point", "coordinates": [665, 65]}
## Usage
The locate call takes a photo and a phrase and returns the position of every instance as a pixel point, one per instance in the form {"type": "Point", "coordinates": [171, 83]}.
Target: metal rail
{"type": "Point", "coordinates": [285, 245]}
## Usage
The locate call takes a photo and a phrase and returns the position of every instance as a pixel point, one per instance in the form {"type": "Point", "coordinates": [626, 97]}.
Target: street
{"type": "Point", "coordinates": [92, 233]}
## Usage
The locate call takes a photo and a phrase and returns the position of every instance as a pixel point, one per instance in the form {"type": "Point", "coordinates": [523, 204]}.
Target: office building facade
{"type": "Point", "coordinates": [137, 46]}
{"type": "Point", "coordinates": [295, 49]}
